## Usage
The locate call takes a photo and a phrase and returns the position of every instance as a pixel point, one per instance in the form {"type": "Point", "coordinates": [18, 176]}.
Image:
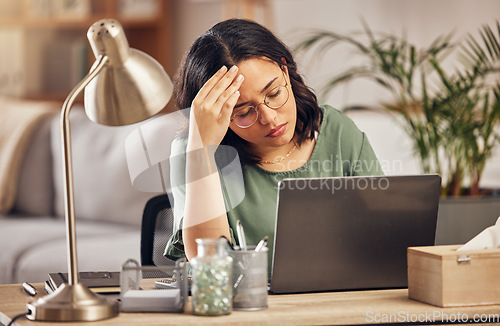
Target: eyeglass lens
{"type": "Point", "coordinates": [275, 98]}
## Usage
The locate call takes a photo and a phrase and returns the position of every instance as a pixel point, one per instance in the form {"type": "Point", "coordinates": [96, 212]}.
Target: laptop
{"type": "Point", "coordinates": [350, 233]}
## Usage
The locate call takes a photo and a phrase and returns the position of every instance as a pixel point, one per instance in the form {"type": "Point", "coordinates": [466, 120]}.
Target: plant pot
{"type": "Point", "coordinates": [461, 219]}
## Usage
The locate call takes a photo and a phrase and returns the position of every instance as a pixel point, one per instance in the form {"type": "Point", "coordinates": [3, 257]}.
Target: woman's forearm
{"type": "Point", "coordinates": [205, 212]}
{"type": "Point", "coordinates": [211, 109]}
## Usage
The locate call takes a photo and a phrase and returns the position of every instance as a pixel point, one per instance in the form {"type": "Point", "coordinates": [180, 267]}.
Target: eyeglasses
{"type": "Point", "coordinates": [274, 99]}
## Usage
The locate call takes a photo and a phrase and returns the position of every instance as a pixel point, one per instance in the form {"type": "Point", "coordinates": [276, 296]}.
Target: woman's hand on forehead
{"type": "Point", "coordinates": [213, 105]}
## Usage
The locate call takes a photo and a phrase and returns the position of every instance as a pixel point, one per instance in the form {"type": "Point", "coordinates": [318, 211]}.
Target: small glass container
{"type": "Point", "coordinates": [211, 278]}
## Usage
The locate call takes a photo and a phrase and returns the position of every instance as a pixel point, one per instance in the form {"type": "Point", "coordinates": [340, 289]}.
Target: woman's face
{"type": "Point", "coordinates": [274, 127]}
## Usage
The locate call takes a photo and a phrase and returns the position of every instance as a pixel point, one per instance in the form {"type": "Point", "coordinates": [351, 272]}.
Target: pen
{"type": "Point", "coordinates": [241, 235]}
{"type": "Point", "coordinates": [48, 287]}
{"type": "Point", "coordinates": [30, 289]}
{"type": "Point", "coordinates": [262, 243]}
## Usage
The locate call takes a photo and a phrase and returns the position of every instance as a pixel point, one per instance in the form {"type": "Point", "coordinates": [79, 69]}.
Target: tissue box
{"type": "Point", "coordinates": [445, 277]}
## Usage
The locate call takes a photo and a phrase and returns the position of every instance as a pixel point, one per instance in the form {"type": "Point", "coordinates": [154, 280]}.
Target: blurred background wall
{"type": "Point", "coordinates": [420, 20]}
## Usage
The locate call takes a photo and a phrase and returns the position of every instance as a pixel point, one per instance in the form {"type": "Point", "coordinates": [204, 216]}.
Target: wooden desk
{"type": "Point", "coordinates": [333, 308]}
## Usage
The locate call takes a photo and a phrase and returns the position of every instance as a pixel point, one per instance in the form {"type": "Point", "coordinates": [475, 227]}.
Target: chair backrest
{"type": "Point", "coordinates": [156, 229]}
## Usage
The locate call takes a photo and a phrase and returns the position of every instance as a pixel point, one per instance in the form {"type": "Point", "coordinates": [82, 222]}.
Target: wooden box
{"type": "Point", "coordinates": [445, 277]}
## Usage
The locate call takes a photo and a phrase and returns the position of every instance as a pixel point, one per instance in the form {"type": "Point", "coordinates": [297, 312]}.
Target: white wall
{"type": "Point", "coordinates": [421, 20]}
{"type": "Point", "coordinates": [191, 19]}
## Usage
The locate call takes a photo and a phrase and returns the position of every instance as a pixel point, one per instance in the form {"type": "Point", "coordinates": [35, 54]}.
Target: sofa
{"type": "Point", "coordinates": [108, 209]}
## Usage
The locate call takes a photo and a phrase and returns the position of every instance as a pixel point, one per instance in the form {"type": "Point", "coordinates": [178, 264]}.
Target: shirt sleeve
{"type": "Point", "coordinates": [367, 162]}
{"type": "Point", "coordinates": [350, 144]}
{"type": "Point", "coordinates": [175, 245]}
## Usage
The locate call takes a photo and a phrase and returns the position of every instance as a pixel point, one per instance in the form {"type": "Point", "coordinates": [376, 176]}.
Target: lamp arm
{"type": "Point", "coordinates": [69, 203]}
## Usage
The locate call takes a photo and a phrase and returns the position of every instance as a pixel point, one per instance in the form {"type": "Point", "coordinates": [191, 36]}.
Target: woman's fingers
{"type": "Point", "coordinates": [209, 85]}
{"type": "Point", "coordinates": [222, 100]}
{"type": "Point", "coordinates": [221, 86]}
{"type": "Point", "coordinates": [214, 103]}
{"type": "Point", "coordinates": [213, 96]}
{"type": "Point", "coordinates": [227, 108]}
{"type": "Point", "coordinates": [212, 89]}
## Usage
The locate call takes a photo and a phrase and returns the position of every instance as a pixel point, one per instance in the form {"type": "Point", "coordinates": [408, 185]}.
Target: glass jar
{"type": "Point", "coordinates": [211, 278]}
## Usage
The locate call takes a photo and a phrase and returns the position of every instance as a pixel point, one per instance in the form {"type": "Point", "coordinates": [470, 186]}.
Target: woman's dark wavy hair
{"type": "Point", "coordinates": [229, 43]}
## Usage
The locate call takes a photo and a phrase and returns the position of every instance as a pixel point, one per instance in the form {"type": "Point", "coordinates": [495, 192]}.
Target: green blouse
{"type": "Point", "coordinates": [341, 150]}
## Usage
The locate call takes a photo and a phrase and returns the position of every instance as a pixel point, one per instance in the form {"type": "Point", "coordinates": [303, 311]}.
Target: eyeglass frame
{"type": "Point", "coordinates": [256, 107]}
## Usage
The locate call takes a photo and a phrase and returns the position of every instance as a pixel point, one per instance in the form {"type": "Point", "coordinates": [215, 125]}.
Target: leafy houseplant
{"type": "Point", "coordinates": [450, 118]}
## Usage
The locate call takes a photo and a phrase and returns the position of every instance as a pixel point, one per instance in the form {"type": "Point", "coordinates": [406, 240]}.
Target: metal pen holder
{"type": "Point", "coordinates": [249, 279]}
{"type": "Point", "coordinates": [153, 288]}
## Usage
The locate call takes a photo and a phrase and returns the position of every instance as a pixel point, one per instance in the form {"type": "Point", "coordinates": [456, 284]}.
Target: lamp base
{"type": "Point", "coordinates": [72, 303]}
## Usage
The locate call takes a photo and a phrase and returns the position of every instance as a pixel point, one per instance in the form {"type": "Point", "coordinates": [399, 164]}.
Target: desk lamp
{"type": "Point", "coordinates": [124, 86]}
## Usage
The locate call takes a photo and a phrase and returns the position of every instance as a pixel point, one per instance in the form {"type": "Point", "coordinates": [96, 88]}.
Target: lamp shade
{"type": "Point", "coordinates": [131, 87]}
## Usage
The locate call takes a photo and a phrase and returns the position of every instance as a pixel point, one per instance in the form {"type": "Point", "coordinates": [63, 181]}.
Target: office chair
{"type": "Point", "coordinates": [156, 229]}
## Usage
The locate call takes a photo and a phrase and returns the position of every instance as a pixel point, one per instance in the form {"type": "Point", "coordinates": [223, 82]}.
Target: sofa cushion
{"type": "Point", "coordinates": [35, 190]}
{"type": "Point", "coordinates": [37, 245]}
{"type": "Point", "coordinates": [19, 119]}
{"type": "Point", "coordinates": [102, 187]}
{"type": "Point", "coordinates": [96, 252]}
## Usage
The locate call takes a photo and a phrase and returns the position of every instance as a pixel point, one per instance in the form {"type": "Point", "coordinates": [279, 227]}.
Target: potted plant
{"type": "Point", "coordinates": [450, 117]}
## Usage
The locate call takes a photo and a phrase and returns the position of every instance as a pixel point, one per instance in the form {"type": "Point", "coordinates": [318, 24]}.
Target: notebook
{"type": "Point", "coordinates": [96, 281]}
{"type": "Point", "coordinates": [350, 233]}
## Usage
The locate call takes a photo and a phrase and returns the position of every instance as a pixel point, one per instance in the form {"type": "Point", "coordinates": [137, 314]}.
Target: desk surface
{"type": "Point", "coordinates": [356, 307]}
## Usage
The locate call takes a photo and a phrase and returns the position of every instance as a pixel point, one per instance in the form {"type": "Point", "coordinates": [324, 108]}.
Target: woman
{"type": "Point", "coordinates": [244, 91]}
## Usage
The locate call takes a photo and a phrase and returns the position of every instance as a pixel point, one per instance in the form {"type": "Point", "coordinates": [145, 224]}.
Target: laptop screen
{"type": "Point", "coordinates": [351, 232]}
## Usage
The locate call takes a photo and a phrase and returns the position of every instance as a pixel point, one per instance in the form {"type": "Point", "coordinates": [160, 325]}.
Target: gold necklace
{"type": "Point", "coordinates": [281, 159]}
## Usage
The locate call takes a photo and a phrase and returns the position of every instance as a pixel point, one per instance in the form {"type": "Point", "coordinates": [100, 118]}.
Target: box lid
{"type": "Point", "coordinates": [449, 252]}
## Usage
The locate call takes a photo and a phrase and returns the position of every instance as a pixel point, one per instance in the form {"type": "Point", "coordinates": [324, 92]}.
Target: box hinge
{"type": "Point", "coordinates": [463, 259]}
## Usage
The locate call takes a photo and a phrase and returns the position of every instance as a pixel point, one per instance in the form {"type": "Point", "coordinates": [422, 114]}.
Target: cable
{"type": "Point", "coordinates": [15, 318]}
